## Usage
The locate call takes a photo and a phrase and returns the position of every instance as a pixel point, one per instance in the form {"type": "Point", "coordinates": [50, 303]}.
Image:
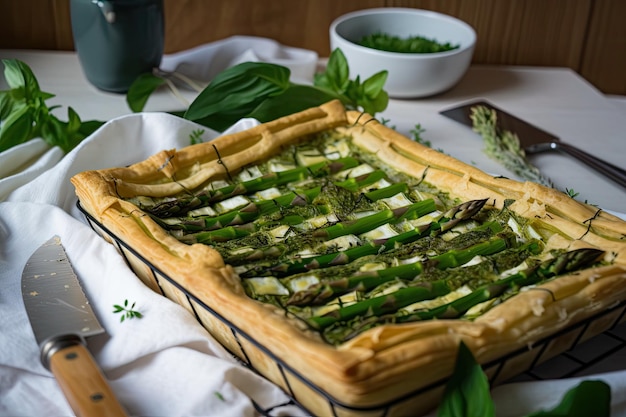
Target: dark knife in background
{"type": "Point", "coordinates": [534, 139]}
{"type": "Point", "coordinates": [61, 318]}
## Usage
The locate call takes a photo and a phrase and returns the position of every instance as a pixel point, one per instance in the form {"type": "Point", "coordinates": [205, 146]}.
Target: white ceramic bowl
{"type": "Point", "coordinates": [411, 75]}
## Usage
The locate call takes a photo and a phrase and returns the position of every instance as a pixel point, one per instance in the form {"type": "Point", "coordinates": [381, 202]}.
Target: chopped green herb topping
{"type": "Point", "coordinates": [409, 45]}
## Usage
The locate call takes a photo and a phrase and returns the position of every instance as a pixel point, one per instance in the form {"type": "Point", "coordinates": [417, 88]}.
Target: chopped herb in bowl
{"type": "Point", "coordinates": [409, 45]}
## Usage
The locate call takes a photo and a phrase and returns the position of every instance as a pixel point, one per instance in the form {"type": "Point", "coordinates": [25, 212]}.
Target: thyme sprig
{"type": "Point", "coordinates": [571, 193]}
{"type": "Point", "coordinates": [504, 146]}
{"type": "Point", "coordinates": [417, 135]}
{"type": "Point", "coordinates": [128, 312]}
{"type": "Point", "coordinates": [196, 136]}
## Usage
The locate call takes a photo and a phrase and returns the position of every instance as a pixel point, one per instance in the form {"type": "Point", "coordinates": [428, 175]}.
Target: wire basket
{"type": "Point", "coordinates": [522, 363]}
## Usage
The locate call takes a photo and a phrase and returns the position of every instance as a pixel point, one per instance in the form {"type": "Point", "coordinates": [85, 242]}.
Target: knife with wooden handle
{"type": "Point", "coordinates": [62, 318]}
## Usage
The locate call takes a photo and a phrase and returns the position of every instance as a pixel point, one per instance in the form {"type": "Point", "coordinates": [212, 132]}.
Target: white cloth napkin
{"type": "Point", "coordinates": [25, 162]}
{"type": "Point", "coordinates": [164, 364]}
{"type": "Point", "coordinates": [206, 61]}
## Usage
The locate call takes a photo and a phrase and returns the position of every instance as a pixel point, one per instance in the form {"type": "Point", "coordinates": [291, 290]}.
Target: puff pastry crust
{"type": "Point", "coordinates": [389, 361]}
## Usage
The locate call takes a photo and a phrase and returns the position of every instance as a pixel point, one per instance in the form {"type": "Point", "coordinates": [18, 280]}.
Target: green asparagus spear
{"type": "Point", "coordinates": [256, 209]}
{"type": "Point", "coordinates": [386, 192]}
{"type": "Point", "coordinates": [455, 215]}
{"type": "Point", "coordinates": [187, 202]}
{"type": "Point", "coordinates": [244, 215]}
{"type": "Point", "coordinates": [321, 293]}
{"type": "Point", "coordinates": [373, 221]}
{"type": "Point", "coordinates": [355, 184]}
{"type": "Point", "coordinates": [564, 263]}
{"type": "Point", "coordinates": [384, 304]}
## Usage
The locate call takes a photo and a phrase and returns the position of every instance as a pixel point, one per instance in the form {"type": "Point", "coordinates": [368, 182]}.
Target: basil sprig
{"type": "Point", "coordinates": [237, 92]}
{"type": "Point", "coordinates": [264, 91]}
{"type": "Point", "coordinates": [368, 95]}
{"type": "Point", "coordinates": [467, 394]}
{"type": "Point", "coordinates": [24, 114]}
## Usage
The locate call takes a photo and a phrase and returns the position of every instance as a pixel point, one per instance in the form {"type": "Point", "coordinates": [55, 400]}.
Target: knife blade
{"type": "Point", "coordinates": [534, 139]}
{"type": "Point", "coordinates": [62, 318]}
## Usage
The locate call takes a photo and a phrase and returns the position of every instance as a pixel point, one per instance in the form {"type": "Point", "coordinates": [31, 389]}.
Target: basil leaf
{"type": "Point", "coordinates": [373, 86]}
{"type": "Point", "coordinates": [141, 89]}
{"type": "Point", "coordinates": [10, 102]}
{"type": "Point", "coordinates": [67, 135]}
{"type": "Point", "coordinates": [589, 398]}
{"type": "Point", "coordinates": [368, 96]}
{"type": "Point", "coordinates": [6, 104]}
{"type": "Point", "coordinates": [19, 75]}
{"type": "Point", "coordinates": [45, 96]}
{"type": "Point", "coordinates": [73, 122]}
{"type": "Point", "coordinates": [338, 71]}
{"type": "Point", "coordinates": [354, 93]}
{"type": "Point", "coordinates": [294, 99]}
{"type": "Point", "coordinates": [467, 391]}
{"type": "Point", "coordinates": [13, 73]}
{"type": "Point", "coordinates": [88, 127]}
{"type": "Point", "coordinates": [376, 104]}
{"type": "Point", "coordinates": [16, 128]}
{"type": "Point", "coordinates": [24, 114]}
{"type": "Point", "coordinates": [236, 92]}
{"type": "Point", "coordinates": [53, 131]}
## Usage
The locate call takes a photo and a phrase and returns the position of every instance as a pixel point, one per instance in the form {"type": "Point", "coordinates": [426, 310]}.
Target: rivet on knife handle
{"type": "Point", "coordinates": [81, 380]}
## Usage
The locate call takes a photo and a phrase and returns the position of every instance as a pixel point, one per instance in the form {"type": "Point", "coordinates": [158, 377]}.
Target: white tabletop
{"type": "Point", "coordinates": [555, 99]}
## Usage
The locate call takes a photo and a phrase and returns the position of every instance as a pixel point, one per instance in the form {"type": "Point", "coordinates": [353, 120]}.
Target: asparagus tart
{"type": "Point", "coordinates": [346, 262]}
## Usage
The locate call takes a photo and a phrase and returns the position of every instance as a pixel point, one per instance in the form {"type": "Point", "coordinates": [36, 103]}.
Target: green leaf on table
{"type": "Point", "coordinates": [25, 115]}
{"type": "Point", "coordinates": [368, 96]}
{"type": "Point", "coordinates": [294, 99]}
{"type": "Point", "coordinates": [141, 89]}
{"type": "Point", "coordinates": [73, 120]}
{"type": "Point", "coordinates": [376, 103]}
{"type": "Point", "coordinates": [88, 127]}
{"type": "Point", "coordinates": [10, 102]}
{"type": "Point", "coordinates": [52, 130]}
{"type": "Point", "coordinates": [236, 92]}
{"type": "Point", "coordinates": [373, 86]}
{"type": "Point", "coordinates": [589, 398]}
{"type": "Point", "coordinates": [375, 99]}
{"type": "Point", "coordinates": [336, 77]}
{"type": "Point", "coordinates": [19, 75]}
{"type": "Point", "coordinates": [264, 91]}
{"type": "Point", "coordinates": [128, 312]}
{"type": "Point", "coordinates": [16, 128]}
{"type": "Point", "coordinates": [467, 392]}
{"type": "Point", "coordinates": [66, 135]}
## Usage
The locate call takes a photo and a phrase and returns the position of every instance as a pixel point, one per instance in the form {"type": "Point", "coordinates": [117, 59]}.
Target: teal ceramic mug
{"type": "Point", "coordinates": [117, 40]}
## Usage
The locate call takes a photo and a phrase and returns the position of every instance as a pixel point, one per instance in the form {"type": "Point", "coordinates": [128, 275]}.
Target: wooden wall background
{"type": "Point", "coordinates": [588, 36]}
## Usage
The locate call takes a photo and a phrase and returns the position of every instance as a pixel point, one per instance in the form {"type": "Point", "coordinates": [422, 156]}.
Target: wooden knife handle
{"type": "Point", "coordinates": [83, 383]}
